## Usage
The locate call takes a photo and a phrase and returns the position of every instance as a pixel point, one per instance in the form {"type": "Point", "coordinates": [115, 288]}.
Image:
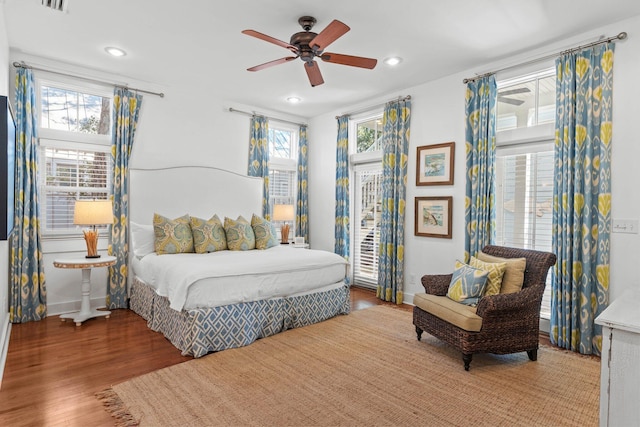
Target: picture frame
{"type": "Point", "coordinates": [434, 164]}
{"type": "Point", "coordinates": [433, 216]}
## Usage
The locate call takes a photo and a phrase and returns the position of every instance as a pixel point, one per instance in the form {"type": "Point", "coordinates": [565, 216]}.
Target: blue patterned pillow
{"type": "Point", "coordinates": [172, 236]}
{"type": "Point", "coordinates": [240, 235]}
{"type": "Point", "coordinates": [264, 231]}
{"type": "Point", "coordinates": [467, 284]}
{"type": "Point", "coordinates": [208, 236]}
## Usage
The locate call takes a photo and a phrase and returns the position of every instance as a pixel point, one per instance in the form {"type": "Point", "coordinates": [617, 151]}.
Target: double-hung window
{"type": "Point", "coordinates": [524, 165]}
{"type": "Point", "coordinates": [365, 134]}
{"type": "Point", "coordinates": [283, 160]}
{"type": "Point", "coordinates": [74, 150]}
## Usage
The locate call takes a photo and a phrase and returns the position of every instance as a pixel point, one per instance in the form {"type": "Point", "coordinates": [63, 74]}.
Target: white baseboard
{"type": "Point", "coordinates": [69, 306]}
{"type": "Point", "coordinates": [5, 333]}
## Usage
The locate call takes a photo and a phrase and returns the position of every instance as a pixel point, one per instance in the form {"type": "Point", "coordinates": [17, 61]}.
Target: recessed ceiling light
{"type": "Point", "coordinates": [293, 99]}
{"type": "Point", "coordinates": [114, 51]}
{"type": "Point", "coordinates": [393, 60]}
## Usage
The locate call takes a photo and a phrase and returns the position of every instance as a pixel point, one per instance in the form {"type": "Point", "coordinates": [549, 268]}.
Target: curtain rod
{"type": "Point", "coordinates": [23, 65]}
{"type": "Point", "coordinates": [621, 36]}
{"type": "Point", "coordinates": [233, 110]}
{"type": "Point", "coordinates": [364, 110]}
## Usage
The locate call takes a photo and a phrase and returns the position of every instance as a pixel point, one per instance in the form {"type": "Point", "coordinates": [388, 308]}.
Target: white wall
{"type": "Point", "coordinates": [438, 116]}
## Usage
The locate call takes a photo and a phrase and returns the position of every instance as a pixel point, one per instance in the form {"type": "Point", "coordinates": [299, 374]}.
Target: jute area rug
{"type": "Point", "coordinates": [366, 368]}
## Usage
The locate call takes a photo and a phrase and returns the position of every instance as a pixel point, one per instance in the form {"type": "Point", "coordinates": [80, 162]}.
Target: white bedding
{"type": "Point", "coordinates": [230, 277]}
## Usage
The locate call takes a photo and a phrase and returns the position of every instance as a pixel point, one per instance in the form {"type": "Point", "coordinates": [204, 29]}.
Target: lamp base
{"type": "Point", "coordinates": [284, 234]}
{"type": "Point", "coordinates": [92, 256]}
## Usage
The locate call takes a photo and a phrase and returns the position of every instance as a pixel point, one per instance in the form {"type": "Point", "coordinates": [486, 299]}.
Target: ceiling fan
{"type": "Point", "coordinates": [502, 96]}
{"type": "Point", "coordinates": [308, 45]}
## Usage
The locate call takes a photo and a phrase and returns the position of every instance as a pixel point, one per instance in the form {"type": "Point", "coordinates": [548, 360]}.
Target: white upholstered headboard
{"type": "Point", "coordinates": [195, 190]}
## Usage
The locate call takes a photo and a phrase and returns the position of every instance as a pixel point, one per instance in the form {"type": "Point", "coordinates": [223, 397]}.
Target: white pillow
{"type": "Point", "coordinates": [142, 239]}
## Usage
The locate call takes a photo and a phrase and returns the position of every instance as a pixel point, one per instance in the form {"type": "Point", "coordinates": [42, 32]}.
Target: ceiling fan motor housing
{"type": "Point", "coordinates": [301, 41]}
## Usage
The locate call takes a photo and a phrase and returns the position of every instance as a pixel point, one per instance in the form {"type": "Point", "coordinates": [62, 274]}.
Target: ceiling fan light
{"type": "Point", "coordinates": [392, 61]}
{"type": "Point", "coordinates": [293, 99]}
{"type": "Point", "coordinates": [115, 51]}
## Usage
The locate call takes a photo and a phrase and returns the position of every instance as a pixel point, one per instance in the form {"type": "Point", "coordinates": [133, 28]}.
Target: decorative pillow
{"type": "Point", "coordinates": [172, 236]}
{"type": "Point", "coordinates": [142, 239]}
{"type": "Point", "coordinates": [513, 274]}
{"type": "Point", "coordinates": [264, 231]}
{"type": "Point", "coordinates": [208, 236]}
{"type": "Point", "coordinates": [496, 272]}
{"type": "Point", "coordinates": [467, 284]}
{"type": "Point", "coordinates": [240, 235]}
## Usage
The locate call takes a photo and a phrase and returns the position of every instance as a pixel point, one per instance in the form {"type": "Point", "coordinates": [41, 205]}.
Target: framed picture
{"type": "Point", "coordinates": [435, 164]}
{"type": "Point", "coordinates": [433, 216]}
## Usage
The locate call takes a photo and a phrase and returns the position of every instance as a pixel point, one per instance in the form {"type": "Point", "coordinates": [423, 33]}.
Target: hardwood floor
{"type": "Point", "coordinates": [54, 368]}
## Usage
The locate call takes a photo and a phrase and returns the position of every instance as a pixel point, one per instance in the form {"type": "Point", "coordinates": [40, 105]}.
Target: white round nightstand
{"type": "Point", "coordinates": [86, 264]}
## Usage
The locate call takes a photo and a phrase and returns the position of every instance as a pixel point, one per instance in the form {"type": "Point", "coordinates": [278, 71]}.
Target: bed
{"type": "Point", "coordinates": [225, 299]}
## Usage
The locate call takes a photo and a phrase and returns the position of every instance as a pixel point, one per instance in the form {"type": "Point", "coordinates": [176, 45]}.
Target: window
{"type": "Point", "coordinates": [283, 161]}
{"type": "Point", "coordinates": [74, 144]}
{"type": "Point", "coordinates": [524, 165]}
{"type": "Point", "coordinates": [365, 135]}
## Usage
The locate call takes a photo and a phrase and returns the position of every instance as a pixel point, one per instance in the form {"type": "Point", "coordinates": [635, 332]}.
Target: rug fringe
{"type": "Point", "coordinates": [116, 408]}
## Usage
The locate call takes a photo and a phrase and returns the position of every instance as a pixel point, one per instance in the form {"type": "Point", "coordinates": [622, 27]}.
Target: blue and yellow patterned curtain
{"type": "Point", "coordinates": [480, 143]}
{"type": "Point", "coordinates": [126, 110]}
{"type": "Point", "coordinates": [342, 189]}
{"type": "Point", "coordinates": [302, 210]}
{"type": "Point", "coordinates": [396, 121]}
{"type": "Point", "coordinates": [582, 197]}
{"type": "Point", "coordinates": [259, 157]}
{"type": "Point", "coordinates": [28, 293]}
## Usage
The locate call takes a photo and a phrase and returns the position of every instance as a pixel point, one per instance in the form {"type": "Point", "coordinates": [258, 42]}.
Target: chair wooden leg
{"type": "Point", "coordinates": [418, 332]}
{"type": "Point", "coordinates": [466, 358]}
{"type": "Point", "coordinates": [533, 354]}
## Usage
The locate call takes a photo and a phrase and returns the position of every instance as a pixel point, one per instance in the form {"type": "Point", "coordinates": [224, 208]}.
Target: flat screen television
{"type": "Point", "coordinates": [7, 162]}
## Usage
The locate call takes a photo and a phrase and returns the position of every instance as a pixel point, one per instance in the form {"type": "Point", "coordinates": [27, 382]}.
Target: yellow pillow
{"type": "Point", "coordinates": [496, 272]}
{"type": "Point", "coordinates": [264, 232]}
{"type": "Point", "coordinates": [513, 275]}
{"type": "Point", "coordinates": [172, 236]}
{"type": "Point", "coordinates": [240, 236]}
{"type": "Point", "coordinates": [208, 236]}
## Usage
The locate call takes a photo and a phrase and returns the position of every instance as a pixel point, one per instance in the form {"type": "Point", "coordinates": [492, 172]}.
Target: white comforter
{"type": "Point", "coordinates": [229, 277]}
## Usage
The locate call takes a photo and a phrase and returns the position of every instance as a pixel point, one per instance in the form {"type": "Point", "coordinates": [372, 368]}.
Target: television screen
{"type": "Point", "coordinates": [7, 159]}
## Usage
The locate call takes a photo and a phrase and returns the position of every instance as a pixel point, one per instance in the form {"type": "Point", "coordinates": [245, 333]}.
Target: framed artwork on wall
{"type": "Point", "coordinates": [433, 216]}
{"type": "Point", "coordinates": [435, 164]}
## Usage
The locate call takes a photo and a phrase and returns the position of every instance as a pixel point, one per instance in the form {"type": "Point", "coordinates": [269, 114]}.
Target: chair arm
{"type": "Point", "coordinates": [436, 284]}
{"type": "Point", "coordinates": [501, 305]}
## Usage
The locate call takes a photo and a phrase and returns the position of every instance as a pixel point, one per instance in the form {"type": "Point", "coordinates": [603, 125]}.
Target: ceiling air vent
{"type": "Point", "coordinates": [59, 5]}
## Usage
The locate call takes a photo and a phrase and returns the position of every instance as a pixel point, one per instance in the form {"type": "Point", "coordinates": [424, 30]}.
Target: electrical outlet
{"type": "Point", "coordinates": [412, 278]}
{"type": "Point", "coordinates": [625, 226]}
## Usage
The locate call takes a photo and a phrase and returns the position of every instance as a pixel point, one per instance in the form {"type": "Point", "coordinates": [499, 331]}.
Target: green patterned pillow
{"type": "Point", "coordinates": [172, 236]}
{"type": "Point", "coordinates": [496, 272]}
{"type": "Point", "coordinates": [264, 231]}
{"type": "Point", "coordinates": [467, 284]}
{"type": "Point", "coordinates": [208, 236]}
{"type": "Point", "coordinates": [240, 235]}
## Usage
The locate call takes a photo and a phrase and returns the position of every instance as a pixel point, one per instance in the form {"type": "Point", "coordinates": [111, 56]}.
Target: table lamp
{"type": "Point", "coordinates": [92, 213]}
{"type": "Point", "coordinates": [284, 213]}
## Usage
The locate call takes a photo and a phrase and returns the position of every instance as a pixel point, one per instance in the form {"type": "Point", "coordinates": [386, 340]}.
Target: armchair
{"type": "Point", "coordinates": [500, 324]}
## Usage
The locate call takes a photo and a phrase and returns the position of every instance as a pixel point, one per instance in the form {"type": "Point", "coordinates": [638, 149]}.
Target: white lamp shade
{"type": "Point", "coordinates": [93, 212]}
{"type": "Point", "coordinates": [283, 213]}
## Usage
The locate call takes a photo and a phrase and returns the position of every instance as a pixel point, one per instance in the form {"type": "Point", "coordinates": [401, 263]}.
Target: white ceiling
{"type": "Point", "coordinates": [198, 45]}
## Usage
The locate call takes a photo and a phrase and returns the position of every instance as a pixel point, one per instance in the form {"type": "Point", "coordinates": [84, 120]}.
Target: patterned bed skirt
{"type": "Point", "coordinates": [197, 332]}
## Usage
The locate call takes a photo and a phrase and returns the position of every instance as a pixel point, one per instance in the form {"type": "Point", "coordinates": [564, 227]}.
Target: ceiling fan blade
{"type": "Point", "coordinates": [313, 72]}
{"type": "Point", "coordinates": [270, 39]}
{"type": "Point", "coordinates": [510, 100]}
{"type": "Point", "coordinates": [515, 91]}
{"type": "Point", "coordinates": [272, 63]}
{"type": "Point", "coordinates": [334, 30]}
{"type": "Point", "coordinates": [354, 61]}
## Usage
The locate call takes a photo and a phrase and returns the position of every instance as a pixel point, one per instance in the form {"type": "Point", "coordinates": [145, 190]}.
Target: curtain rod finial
{"type": "Point", "coordinates": [623, 35]}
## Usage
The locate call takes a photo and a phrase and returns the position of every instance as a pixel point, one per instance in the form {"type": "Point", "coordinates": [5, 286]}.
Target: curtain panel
{"type": "Point", "coordinates": [396, 122]}
{"type": "Point", "coordinates": [302, 208]}
{"type": "Point", "coordinates": [126, 111]}
{"type": "Point", "coordinates": [342, 189]}
{"type": "Point", "coordinates": [582, 197]}
{"type": "Point", "coordinates": [480, 145]}
{"type": "Point", "coordinates": [259, 157]}
{"type": "Point", "coordinates": [28, 293]}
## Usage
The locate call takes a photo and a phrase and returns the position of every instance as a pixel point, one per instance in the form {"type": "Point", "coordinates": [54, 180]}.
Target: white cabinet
{"type": "Point", "coordinates": [620, 363]}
